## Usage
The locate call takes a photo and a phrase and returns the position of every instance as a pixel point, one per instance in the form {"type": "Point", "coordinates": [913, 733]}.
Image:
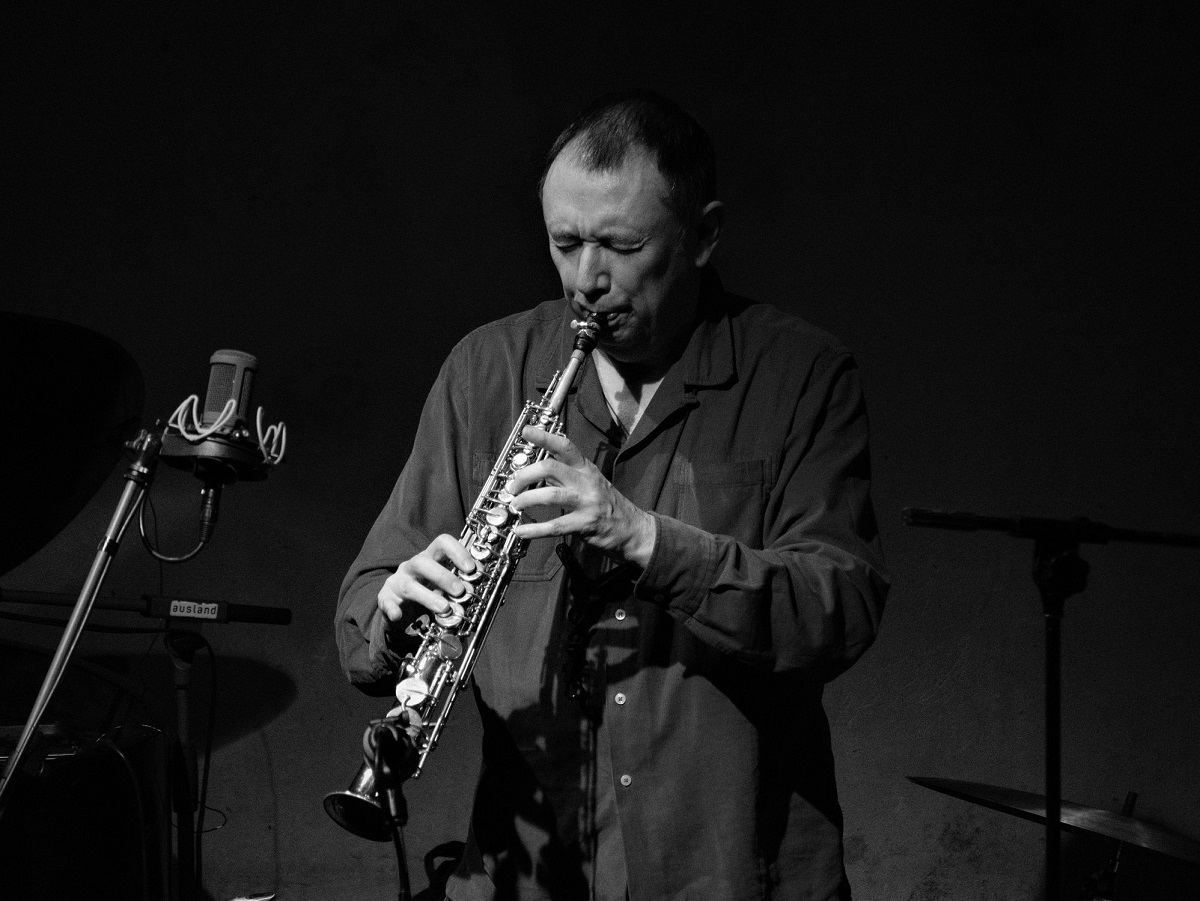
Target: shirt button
{"type": "Point", "coordinates": [620, 614]}
{"type": "Point", "coordinates": [626, 780]}
{"type": "Point", "coordinates": [619, 697]}
{"type": "Point", "coordinates": [660, 598]}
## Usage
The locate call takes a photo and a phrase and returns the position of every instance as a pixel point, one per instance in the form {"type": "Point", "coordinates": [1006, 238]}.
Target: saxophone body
{"type": "Point", "coordinates": [432, 676]}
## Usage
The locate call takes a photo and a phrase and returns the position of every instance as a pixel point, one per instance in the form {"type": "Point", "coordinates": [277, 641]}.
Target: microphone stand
{"type": "Point", "coordinates": [393, 762]}
{"type": "Point", "coordinates": [138, 478]}
{"type": "Point", "coordinates": [182, 646]}
{"type": "Point", "coordinates": [1058, 573]}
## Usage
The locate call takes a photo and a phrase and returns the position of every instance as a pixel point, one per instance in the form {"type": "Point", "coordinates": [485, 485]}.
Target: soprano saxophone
{"type": "Point", "coordinates": [431, 677]}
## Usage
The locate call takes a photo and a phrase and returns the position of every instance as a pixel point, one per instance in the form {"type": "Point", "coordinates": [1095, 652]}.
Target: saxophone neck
{"type": "Point", "coordinates": [585, 343]}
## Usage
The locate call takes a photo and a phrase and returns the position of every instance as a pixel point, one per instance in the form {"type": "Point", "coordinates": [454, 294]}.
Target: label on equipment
{"type": "Point", "coordinates": [193, 609]}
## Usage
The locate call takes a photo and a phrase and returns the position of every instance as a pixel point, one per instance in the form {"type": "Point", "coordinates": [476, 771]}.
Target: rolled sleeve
{"type": "Point", "coordinates": [681, 566]}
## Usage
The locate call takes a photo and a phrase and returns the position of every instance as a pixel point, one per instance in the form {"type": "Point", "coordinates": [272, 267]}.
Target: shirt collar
{"type": "Point", "coordinates": [708, 361]}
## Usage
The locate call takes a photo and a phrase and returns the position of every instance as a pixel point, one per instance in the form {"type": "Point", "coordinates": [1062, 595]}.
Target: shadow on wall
{"type": "Point", "coordinates": [106, 691]}
{"type": "Point", "coordinates": [263, 692]}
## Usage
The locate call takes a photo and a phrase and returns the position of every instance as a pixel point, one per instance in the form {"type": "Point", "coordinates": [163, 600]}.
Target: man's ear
{"type": "Point", "coordinates": [708, 232]}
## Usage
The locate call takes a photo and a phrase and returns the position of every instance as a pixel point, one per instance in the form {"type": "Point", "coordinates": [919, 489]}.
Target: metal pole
{"type": "Point", "coordinates": [138, 478]}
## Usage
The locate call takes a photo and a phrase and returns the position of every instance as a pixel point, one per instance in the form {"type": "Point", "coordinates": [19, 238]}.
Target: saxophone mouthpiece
{"type": "Point", "coordinates": [588, 330]}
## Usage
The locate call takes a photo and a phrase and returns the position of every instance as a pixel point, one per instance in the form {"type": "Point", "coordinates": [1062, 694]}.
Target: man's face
{"type": "Point", "coordinates": [620, 251]}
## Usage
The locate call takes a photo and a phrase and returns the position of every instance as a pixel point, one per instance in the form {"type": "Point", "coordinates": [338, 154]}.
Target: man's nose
{"type": "Point", "coordinates": [592, 278]}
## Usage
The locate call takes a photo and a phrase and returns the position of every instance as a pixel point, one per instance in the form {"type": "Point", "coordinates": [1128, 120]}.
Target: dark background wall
{"type": "Point", "coordinates": [992, 207]}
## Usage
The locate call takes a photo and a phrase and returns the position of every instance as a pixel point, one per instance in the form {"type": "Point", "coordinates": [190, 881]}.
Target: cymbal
{"type": "Point", "coordinates": [1030, 806]}
{"type": "Point", "coordinates": [72, 397]}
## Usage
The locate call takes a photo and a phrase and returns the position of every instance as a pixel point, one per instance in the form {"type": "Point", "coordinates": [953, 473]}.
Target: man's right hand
{"type": "Point", "coordinates": [426, 578]}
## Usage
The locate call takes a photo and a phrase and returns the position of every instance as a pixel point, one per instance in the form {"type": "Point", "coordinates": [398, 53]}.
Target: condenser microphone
{"type": "Point", "coordinates": [218, 445]}
{"type": "Point", "coordinates": [230, 378]}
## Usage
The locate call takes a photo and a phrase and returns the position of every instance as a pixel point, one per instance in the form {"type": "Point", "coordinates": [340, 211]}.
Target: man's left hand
{"type": "Point", "coordinates": [592, 508]}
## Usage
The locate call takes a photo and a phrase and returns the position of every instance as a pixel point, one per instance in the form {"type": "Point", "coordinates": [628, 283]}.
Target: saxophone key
{"type": "Point", "coordinates": [482, 552]}
{"type": "Point", "coordinates": [468, 588]}
{"type": "Point", "coordinates": [406, 716]}
{"type": "Point", "coordinates": [412, 691]}
{"type": "Point", "coordinates": [497, 516]}
{"type": "Point", "coordinates": [451, 616]}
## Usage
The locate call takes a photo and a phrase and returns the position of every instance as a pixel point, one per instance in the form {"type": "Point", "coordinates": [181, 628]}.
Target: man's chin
{"type": "Point", "coordinates": [627, 353]}
{"type": "Point", "coordinates": [618, 338]}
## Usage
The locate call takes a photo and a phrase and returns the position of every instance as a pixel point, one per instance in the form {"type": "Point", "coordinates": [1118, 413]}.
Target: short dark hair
{"type": "Point", "coordinates": [610, 127]}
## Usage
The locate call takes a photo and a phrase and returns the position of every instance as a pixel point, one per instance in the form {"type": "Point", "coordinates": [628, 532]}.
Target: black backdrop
{"type": "Point", "coordinates": [991, 206]}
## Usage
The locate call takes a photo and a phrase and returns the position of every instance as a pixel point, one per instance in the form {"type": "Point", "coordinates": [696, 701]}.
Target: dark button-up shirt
{"type": "Point", "coordinates": [698, 764]}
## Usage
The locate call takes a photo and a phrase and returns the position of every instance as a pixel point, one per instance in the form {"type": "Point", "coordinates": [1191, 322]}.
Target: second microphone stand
{"type": "Point", "coordinates": [1058, 573]}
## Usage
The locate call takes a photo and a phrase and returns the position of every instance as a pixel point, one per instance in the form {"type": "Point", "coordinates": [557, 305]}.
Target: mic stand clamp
{"type": "Point", "coordinates": [138, 478]}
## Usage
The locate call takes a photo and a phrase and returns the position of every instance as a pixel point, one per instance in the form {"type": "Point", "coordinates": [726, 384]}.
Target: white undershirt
{"type": "Point", "coordinates": [626, 402]}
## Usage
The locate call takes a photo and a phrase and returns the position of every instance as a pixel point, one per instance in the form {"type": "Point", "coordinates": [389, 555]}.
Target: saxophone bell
{"type": "Point", "coordinates": [390, 757]}
{"type": "Point", "coordinates": [357, 809]}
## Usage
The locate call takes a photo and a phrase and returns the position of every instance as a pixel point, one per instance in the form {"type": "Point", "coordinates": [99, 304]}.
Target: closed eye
{"type": "Point", "coordinates": [625, 249]}
{"type": "Point", "coordinates": [568, 245]}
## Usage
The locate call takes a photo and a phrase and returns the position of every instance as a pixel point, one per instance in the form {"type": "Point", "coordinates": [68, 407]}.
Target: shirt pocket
{"type": "Point", "coordinates": [725, 497]}
{"type": "Point", "coordinates": [540, 561]}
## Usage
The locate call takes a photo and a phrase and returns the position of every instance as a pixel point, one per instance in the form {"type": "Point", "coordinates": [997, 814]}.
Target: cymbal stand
{"type": "Point", "coordinates": [1102, 886]}
{"type": "Point", "coordinates": [1058, 573]}
{"type": "Point", "coordinates": [138, 478]}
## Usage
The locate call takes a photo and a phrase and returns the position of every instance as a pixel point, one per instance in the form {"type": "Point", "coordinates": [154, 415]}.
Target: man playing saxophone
{"type": "Point", "coordinates": [702, 553]}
